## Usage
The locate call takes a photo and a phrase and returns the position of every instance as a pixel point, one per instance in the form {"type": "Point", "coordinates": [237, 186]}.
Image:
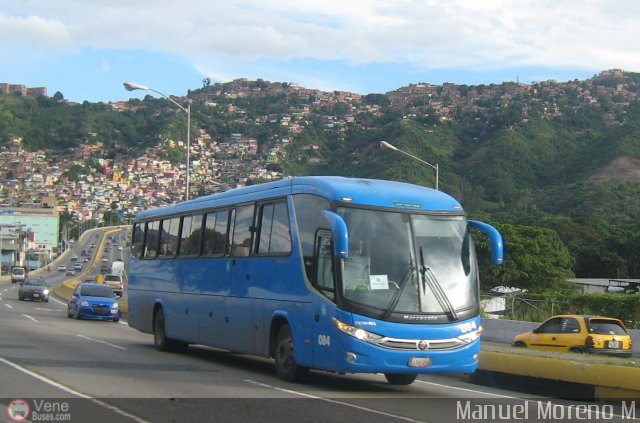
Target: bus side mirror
{"type": "Point", "coordinates": [495, 239]}
{"type": "Point", "coordinates": [340, 234]}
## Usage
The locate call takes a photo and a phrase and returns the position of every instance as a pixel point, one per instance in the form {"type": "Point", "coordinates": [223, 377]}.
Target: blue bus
{"type": "Point", "coordinates": [339, 274]}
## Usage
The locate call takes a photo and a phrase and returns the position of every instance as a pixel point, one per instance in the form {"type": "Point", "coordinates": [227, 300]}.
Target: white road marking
{"type": "Point", "coordinates": [346, 404]}
{"type": "Point", "coordinates": [71, 390]}
{"type": "Point", "coordinates": [31, 318]}
{"type": "Point", "coordinates": [440, 385]}
{"type": "Point", "coordinates": [101, 342]}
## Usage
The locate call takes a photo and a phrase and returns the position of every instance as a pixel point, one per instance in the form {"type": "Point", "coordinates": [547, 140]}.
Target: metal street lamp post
{"type": "Point", "coordinates": [387, 146]}
{"type": "Point", "coordinates": [132, 86]}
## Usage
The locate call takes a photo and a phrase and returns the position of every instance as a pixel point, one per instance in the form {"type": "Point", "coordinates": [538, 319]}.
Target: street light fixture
{"type": "Point", "coordinates": [132, 86]}
{"type": "Point", "coordinates": [385, 145]}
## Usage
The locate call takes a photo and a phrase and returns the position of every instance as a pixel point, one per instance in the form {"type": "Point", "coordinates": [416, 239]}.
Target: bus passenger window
{"type": "Point", "coordinates": [242, 232]}
{"type": "Point", "coordinates": [190, 236]}
{"type": "Point", "coordinates": [215, 233]}
{"type": "Point", "coordinates": [151, 240]}
{"type": "Point", "coordinates": [169, 237]}
{"type": "Point", "coordinates": [138, 240]}
{"type": "Point", "coordinates": [275, 237]}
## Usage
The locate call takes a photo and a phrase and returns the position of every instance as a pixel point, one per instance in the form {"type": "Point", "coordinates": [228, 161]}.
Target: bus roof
{"type": "Point", "coordinates": [370, 192]}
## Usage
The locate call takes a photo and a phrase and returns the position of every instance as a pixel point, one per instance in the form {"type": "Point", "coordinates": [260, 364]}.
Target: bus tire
{"type": "Point", "coordinates": [400, 378]}
{"type": "Point", "coordinates": [160, 339]}
{"type": "Point", "coordinates": [284, 354]}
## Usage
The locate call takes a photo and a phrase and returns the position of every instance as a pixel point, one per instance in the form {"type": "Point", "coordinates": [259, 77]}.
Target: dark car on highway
{"type": "Point", "coordinates": [93, 301]}
{"type": "Point", "coordinates": [34, 288]}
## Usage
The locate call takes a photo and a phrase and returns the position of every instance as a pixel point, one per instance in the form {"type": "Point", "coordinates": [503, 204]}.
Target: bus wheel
{"type": "Point", "coordinates": [400, 378]}
{"type": "Point", "coordinates": [286, 366]}
{"type": "Point", "coordinates": [160, 339]}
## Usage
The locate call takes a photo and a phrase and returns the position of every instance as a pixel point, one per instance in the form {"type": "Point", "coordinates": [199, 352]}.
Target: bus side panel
{"type": "Point", "coordinates": [148, 282]}
{"type": "Point", "coordinates": [244, 329]}
{"type": "Point", "coordinates": [140, 311]}
{"type": "Point", "coordinates": [204, 282]}
{"type": "Point", "coordinates": [210, 310]}
{"type": "Point", "coordinates": [279, 280]}
{"type": "Point", "coordinates": [262, 288]}
{"type": "Point", "coordinates": [298, 316]}
{"type": "Point", "coordinates": [325, 338]}
{"type": "Point", "coordinates": [168, 279]}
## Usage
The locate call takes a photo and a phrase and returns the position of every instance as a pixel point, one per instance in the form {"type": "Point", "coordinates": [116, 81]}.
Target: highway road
{"type": "Point", "coordinates": [93, 371]}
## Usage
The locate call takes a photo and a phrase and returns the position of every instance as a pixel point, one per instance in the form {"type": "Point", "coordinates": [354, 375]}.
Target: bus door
{"type": "Point", "coordinates": [214, 268]}
{"type": "Point", "coordinates": [180, 312]}
{"type": "Point", "coordinates": [325, 351]}
{"type": "Point", "coordinates": [211, 301]}
{"type": "Point", "coordinates": [241, 312]}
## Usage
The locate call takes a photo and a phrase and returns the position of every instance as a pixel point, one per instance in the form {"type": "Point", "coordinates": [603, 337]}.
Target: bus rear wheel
{"type": "Point", "coordinates": [400, 378]}
{"type": "Point", "coordinates": [160, 339]}
{"type": "Point", "coordinates": [286, 366]}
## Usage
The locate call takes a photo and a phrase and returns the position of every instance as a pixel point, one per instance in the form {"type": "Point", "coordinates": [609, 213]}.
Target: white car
{"type": "Point", "coordinates": [114, 282]}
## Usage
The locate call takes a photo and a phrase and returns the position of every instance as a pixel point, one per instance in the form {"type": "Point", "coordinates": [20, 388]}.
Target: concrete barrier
{"type": "Point", "coordinates": [609, 380]}
{"type": "Point", "coordinates": [609, 377]}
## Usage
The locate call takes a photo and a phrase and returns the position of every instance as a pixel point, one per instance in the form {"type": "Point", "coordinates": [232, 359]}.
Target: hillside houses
{"type": "Point", "coordinates": [86, 185]}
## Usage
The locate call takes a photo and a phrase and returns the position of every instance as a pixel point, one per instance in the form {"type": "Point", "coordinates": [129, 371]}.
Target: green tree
{"type": "Point", "coordinates": [535, 259]}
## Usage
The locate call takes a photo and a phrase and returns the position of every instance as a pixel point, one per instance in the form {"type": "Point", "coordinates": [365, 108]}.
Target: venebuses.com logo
{"type": "Point", "coordinates": [18, 410]}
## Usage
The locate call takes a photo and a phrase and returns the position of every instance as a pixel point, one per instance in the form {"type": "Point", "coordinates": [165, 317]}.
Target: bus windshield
{"type": "Point", "coordinates": [408, 263]}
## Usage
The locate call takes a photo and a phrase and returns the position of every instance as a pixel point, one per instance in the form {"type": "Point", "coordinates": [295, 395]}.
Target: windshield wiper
{"type": "Point", "coordinates": [429, 278]}
{"type": "Point", "coordinates": [396, 295]}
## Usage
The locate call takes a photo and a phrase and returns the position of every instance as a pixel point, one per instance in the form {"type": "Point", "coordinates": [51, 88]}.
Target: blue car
{"type": "Point", "coordinates": [93, 301]}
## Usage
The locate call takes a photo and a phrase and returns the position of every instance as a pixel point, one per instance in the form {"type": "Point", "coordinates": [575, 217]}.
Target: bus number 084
{"type": "Point", "coordinates": [324, 340]}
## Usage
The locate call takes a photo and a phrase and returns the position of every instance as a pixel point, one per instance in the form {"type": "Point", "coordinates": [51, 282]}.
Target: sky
{"type": "Point", "coordinates": [86, 49]}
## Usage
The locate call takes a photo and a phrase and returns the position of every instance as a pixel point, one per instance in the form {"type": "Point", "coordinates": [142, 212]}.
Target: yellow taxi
{"type": "Point", "coordinates": [578, 333]}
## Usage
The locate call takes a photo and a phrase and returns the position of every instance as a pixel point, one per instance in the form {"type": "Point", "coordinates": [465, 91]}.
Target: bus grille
{"type": "Point", "coordinates": [412, 344]}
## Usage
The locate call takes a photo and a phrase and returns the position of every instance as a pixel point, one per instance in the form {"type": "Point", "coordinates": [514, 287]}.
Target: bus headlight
{"type": "Point", "coordinates": [357, 333]}
{"type": "Point", "coordinates": [468, 338]}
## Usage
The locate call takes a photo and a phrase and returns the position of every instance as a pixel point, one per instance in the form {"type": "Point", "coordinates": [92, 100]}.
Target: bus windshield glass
{"type": "Point", "coordinates": [408, 263]}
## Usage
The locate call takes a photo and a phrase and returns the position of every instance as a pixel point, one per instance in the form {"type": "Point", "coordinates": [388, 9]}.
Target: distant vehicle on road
{"type": "Point", "coordinates": [18, 273]}
{"type": "Point", "coordinates": [578, 333]}
{"type": "Point", "coordinates": [114, 282]}
{"type": "Point", "coordinates": [117, 267]}
{"type": "Point", "coordinates": [34, 288]}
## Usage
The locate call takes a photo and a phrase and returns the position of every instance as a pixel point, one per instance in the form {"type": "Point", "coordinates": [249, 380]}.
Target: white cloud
{"type": "Point", "coordinates": [425, 34]}
{"type": "Point", "coordinates": [34, 32]}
